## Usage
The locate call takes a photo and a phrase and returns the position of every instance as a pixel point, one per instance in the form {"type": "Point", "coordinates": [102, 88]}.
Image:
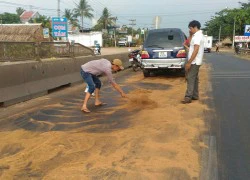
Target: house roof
{"type": "Point", "coordinates": [21, 32]}
{"type": "Point", "coordinates": [26, 15]}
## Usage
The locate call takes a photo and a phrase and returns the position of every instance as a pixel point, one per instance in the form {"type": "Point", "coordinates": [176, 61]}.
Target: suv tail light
{"type": "Point", "coordinates": [181, 54]}
{"type": "Point", "coordinates": [144, 55]}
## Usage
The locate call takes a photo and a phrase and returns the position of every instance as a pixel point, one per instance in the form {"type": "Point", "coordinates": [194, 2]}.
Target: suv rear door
{"type": "Point", "coordinates": [163, 46]}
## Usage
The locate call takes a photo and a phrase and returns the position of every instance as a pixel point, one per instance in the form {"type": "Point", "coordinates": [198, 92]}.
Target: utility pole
{"type": "Point", "coordinates": [114, 28]}
{"type": "Point", "coordinates": [233, 34]}
{"type": "Point", "coordinates": [58, 8]}
{"type": "Point", "coordinates": [157, 21]}
{"type": "Point", "coordinates": [132, 24]}
{"type": "Point", "coordinates": [219, 33]}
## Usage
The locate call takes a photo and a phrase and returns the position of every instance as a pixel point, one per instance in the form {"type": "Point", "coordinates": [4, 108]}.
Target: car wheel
{"type": "Point", "coordinates": [146, 73]}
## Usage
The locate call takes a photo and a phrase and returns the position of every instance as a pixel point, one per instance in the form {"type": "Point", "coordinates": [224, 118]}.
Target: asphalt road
{"type": "Point", "coordinates": [231, 125]}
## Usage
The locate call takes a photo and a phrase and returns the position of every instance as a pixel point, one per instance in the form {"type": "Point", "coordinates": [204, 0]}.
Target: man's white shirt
{"type": "Point", "coordinates": [197, 39]}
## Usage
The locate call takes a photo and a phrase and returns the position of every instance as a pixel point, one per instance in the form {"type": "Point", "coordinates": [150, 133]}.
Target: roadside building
{"type": "Point", "coordinates": [22, 32]}
{"type": "Point", "coordinates": [28, 15]}
{"type": "Point", "coordinates": [88, 39]}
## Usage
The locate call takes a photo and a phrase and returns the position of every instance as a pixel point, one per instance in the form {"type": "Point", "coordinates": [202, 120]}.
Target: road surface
{"type": "Point", "coordinates": [231, 125]}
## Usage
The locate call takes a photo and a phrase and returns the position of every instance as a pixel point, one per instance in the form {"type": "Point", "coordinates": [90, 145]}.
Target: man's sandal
{"type": "Point", "coordinates": [85, 110]}
{"type": "Point", "coordinates": [101, 104]}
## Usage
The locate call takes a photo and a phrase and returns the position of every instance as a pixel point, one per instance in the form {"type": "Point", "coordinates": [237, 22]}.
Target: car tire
{"type": "Point", "coordinates": [183, 72]}
{"type": "Point", "coordinates": [146, 73]}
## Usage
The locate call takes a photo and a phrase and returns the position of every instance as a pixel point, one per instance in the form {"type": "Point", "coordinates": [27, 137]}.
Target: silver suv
{"type": "Point", "coordinates": [163, 50]}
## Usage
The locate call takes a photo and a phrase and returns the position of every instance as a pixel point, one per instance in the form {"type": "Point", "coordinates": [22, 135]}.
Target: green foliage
{"type": "Point", "coordinates": [42, 19]}
{"type": "Point", "coordinates": [98, 27]}
{"type": "Point", "coordinates": [225, 19]}
{"type": "Point", "coordinates": [106, 19]}
{"type": "Point", "coordinates": [19, 11]}
{"type": "Point", "coordinates": [83, 10]}
{"type": "Point", "coordinates": [9, 18]}
{"type": "Point", "coordinates": [72, 18]}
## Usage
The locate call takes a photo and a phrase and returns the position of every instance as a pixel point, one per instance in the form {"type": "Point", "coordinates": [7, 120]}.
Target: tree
{"type": "Point", "coordinates": [83, 10]}
{"type": "Point", "coordinates": [225, 20]}
{"type": "Point", "coordinates": [72, 18]}
{"type": "Point", "coordinates": [19, 11]}
{"type": "Point", "coordinates": [9, 18]}
{"type": "Point", "coordinates": [42, 19]}
{"type": "Point", "coordinates": [105, 19]}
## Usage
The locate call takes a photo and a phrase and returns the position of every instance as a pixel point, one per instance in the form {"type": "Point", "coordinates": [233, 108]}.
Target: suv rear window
{"type": "Point", "coordinates": [164, 39]}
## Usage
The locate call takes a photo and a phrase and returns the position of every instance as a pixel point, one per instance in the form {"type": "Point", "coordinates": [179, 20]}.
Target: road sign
{"type": "Point", "coordinates": [247, 30]}
{"type": "Point", "coordinates": [129, 38]}
{"type": "Point", "coordinates": [242, 38]}
{"type": "Point", "coordinates": [46, 32]}
{"type": "Point", "coordinates": [59, 27]}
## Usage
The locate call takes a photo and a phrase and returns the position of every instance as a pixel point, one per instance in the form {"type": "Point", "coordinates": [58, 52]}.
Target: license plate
{"type": "Point", "coordinates": [174, 67]}
{"type": "Point", "coordinates": [131, 60]}
{"type": "Point", "coordinates": [163, 54]}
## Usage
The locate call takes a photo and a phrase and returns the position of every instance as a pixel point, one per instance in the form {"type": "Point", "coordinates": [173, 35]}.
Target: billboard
{"type": "Point", "coordinates": [59, 27]}
{"type": "Point", "coordinates": [247, 30]}
{"type": "Point", "coordinates": [242, 38]}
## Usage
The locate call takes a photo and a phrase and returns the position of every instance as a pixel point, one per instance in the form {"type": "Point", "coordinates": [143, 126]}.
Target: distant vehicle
{"type": "Point", "coordinates": [163, 50]}
{"type": "Point", "coordinates": [208, 40]}
{"type": "Point", "coordinates": [97, 49]}
{"type": "Point", "coordinates": [122, 41]}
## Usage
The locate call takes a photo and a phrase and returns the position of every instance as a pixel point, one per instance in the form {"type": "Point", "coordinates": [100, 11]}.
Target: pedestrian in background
{"type": "Point", "coordinates": [195, 58]}
{"type": "Point", "coordinates": [90, 72]}
{"type": "Point", "coordinates": [217, 45]}
{"type": "Point", "coordinates": [236, 48]}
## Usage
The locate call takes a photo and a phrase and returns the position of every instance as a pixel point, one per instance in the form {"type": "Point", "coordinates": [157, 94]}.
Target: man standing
{"type": "Point", "coordinates": [90, 72]}
{"type": "Point", "coordinates": [195, 57]}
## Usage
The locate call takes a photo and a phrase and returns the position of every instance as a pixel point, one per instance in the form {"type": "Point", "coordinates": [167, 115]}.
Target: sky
{"type": "Point", "coordinates": [171, 13]}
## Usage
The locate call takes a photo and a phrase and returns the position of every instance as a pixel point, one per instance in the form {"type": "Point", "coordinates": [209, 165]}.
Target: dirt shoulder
{"type": "Point", "coordinates": [231, 51]}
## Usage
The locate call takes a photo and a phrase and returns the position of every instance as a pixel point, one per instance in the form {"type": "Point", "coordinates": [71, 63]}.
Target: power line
{"type": "Point", "coordinates": [67, 3]}
{"type": "Point", "coordinates": [24, 5]}
{"type": "Point", "coordinates": [100, 4]}
{"type": "Point", "coordinates": [165, 14]}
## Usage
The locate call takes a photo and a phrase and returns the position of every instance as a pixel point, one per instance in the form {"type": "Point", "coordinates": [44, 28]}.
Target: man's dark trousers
{"type": "Point", "coordinates": [192, 77]}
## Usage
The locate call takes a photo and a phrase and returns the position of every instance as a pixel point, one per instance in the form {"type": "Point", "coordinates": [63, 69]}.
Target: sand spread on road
{"type": "Point", "coordinates": [163, 140]}
{"type": "Point", "coordinates": [139, 98]}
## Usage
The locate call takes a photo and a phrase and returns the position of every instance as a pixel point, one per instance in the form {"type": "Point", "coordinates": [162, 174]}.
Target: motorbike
{"type": "Point", "coordinates": [135, 60]}
{"type": "Point", "coordinates": [97, 51]}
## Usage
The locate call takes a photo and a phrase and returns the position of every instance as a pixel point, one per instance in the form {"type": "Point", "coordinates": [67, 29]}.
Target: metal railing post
{"type": "Point", "coordinates": [37, 50]}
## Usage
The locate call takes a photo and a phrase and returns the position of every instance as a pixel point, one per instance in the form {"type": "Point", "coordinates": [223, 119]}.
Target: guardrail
{"type": "Point", "coordinates": [16, 51]}
{"type": "Point", "coordinates": [19, 51]}
{"type": "Point", "coordinates": [23, 81]}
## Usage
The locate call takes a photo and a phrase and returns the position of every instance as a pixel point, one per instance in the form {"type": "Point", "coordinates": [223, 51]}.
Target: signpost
{"type": "Point", "coordinates": [242, 38]}
{"type": "Point", "coordinates": [247, 30]}
{"type": "Point", "coordinates": [59, 27]}
{"type": "Point", "coordinates": [46, 32]}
